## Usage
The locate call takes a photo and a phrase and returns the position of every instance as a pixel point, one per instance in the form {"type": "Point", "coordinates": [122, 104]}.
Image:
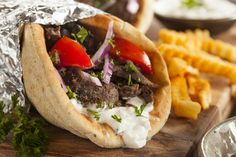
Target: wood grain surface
{"type": "Point", "coordinates": [178, 138]}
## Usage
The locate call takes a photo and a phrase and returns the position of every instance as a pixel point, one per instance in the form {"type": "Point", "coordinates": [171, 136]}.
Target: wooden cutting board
{"type": "Point", "coordinates": [179, 137]}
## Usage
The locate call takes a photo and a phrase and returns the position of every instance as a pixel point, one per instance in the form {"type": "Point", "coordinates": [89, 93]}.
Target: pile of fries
{"type": "Point", "coordinates": [187, 54]}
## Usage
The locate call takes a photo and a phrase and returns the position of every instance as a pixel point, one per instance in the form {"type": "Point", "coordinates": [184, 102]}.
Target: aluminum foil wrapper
{"type": "Point", "coordinates": [14, 13]}
{"type": "Point", "coordinates": [220, 141]}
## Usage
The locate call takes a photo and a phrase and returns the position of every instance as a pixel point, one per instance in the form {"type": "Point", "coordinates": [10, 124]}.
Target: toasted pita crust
{"type": "Point", "coordinates": [44, 90]}
{"type": "Point", "coordinates": [144, 15]}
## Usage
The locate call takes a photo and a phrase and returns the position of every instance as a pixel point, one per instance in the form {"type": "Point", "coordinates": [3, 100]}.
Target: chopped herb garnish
{"type": "Point", "coordinates": [95, 114]}
{"type": "Point", "coordinates": [192, 3]}
{"type": "Point", "coordinates": [100, 105]}
{"type": "Point", "coordinates": [55, 58]}
{"type": "Point", "coordinates": [92, 73]}
{"type": "Point", "coordinates": [100, 75]}
{"type": "Point", "coordinates": [111, 42]}
{"type": "Point", "coordinates": [70, 93]}
{"type": "Point", "coordinates": [81, 35]}
{"type": "Point", "coordinates": [112, 62]}
{"type": "Point", "coordinates": [15, 100]}
{"type": "Point", "coordinates": [130, 68]}
{"type": "Point", "coordinates": [110, 105]}
{"type": "Point", "coordinates": [28, 136]}
{"type": "Point", "coordinates": [130, 82]}
{"type": "Point", "coordinates": [117, 118]}
{"type": "Point", "coordinates": [2, 106]}
{"type": "Point", "coordinates": [138, 79]}
{"type": "Point", "coordinates": [139, 111]}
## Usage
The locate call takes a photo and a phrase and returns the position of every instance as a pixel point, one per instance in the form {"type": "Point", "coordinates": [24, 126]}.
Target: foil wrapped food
{"type": "Point", "coordinates": [220, 141]}
{"type": "Point", "coordinates": [14, 13]}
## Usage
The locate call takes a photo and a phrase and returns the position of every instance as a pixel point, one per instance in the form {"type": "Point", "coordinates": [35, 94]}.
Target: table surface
{"type": "Point", "coordinates": [180, 140]}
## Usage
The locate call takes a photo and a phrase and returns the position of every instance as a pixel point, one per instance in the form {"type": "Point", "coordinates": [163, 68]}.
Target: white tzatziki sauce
{"type": "Point", "coordinates": [133, 129]}
{"type": "Point", "coordinates": [209, 9]}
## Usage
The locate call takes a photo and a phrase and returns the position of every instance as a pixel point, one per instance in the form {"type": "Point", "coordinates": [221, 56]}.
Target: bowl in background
{"type": "Point", "coordinates": [181, 24]}
{"type": "Point", "coordinates": [216, 17]}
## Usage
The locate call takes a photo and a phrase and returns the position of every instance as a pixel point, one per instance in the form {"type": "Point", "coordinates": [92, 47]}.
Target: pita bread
{"type": "Point", "coordinates": [44, 90]}
{"type": "Point", "coordinates": [144, 15]}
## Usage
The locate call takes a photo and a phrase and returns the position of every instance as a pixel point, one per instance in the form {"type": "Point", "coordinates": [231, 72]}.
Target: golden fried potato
{"type": "Point", "coordinates": [187, 53]}
{"type": "Point", "coordinates": [199, 40]}
{"type": "Point", "coordinates": [189, 39]}
{"type": "Point", "coordinates": [200, 91]}
{"type": "Point", "coordinates": [187, 109]}
{"type": "Point", "coordinates": [182, 104]}
{"type": "Point", "coordinates": [179, 89]}
{"type": "Point", "coordinates": [196, 38]}
{"type": "Point", "coordinates": [192, 71]}
{"type": "Point", "coordinates": [172, 37]}
{"type": "Point", "coordinates": [220, 48]}
{"type": "Point", "coordinates": [200, 60]}
{"type": "Point", "coordinates": [177, 67]}
{"type": "Point", "coordinates": [191, 81]}
{"type": "Point", "coordinates": [205, 98]}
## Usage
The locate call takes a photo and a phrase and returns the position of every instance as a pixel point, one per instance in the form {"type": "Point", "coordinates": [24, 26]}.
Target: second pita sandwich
{"type": "Point", "coordinates": [139, 13]}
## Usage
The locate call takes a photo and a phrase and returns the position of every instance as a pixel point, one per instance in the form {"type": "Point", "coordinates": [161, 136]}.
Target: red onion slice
{"type": "Point", "coordinates": [107, 69]}
{"type": "Point", "coordinates": [99, 55]}
{"type": "Point", "coordinates": [61, 80]}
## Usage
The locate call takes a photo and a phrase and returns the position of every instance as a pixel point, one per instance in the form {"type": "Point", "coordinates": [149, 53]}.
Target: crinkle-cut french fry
{"type": "Point", "coordinates": [195, 39]}
{"type": "Point", "coordinates": [179, 89]}
{"type": "Point", "coordinates": [199, 40]}
{"type": "Point", "coordinates": [205, 98]}
{"type": "Point", "coordinates": [200, 91]}
{"type": "Point", "coordinates": [189, 39]}
{"type": "Point", "coordinates": [182, 104]}
{"type": "Point", "coordinates": [192, 88]}
{"type": "Point", "coordinates": [172, 37]}
{"type": "Point", "coordinates": [179, 67]}
{"type": "Point", "coordinates": [192, 71]}
{"type": "Point", "coordinates": [187, 109]}
{"type": "Point", "coordinates": [200, 60]}
{"type": "Point", "coordinates": [220, 48]}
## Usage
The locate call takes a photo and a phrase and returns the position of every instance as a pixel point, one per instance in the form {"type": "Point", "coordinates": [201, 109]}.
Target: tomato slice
{"type": "Point", "coordinates": [126, 50]}
{"type": "Point", "coordinates": [71, 53]}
